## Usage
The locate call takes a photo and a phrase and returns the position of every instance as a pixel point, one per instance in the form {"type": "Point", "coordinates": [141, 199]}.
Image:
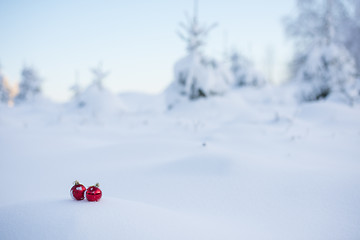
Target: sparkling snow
{"type": "Point", "coordinates": [249, 165]}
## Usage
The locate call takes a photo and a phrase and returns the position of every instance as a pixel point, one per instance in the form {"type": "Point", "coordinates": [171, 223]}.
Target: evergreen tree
{"type": "Point", "coordinates": [328, 69]}
{"type": "Point", "coordinates": [94, 94]}
{"type": "Point", "coordinates": [4, 89]}
{"type": "Point", "coordinates": [98, 76]}
{"type": "Point", "coordinates": [30, 85]}
{"type": "Point", "coordinates": [350, 30]}
{"type": "Point", "coordinates": [244, 73]}
{"type": "Point", "coordinates": [323, 64]}
{"type": "Point", "coordinates": [76, 90]}
{"type": "Point", "coordinates": [193, 33]}
{"type": "Point", "coordinates": [195, 75]}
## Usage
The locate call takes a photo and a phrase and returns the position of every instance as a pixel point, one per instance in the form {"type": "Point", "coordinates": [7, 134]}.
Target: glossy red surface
{"type": "Point", "coordinates": [93, 194]}
{"type": "Point", "coordinates": [78, 192]}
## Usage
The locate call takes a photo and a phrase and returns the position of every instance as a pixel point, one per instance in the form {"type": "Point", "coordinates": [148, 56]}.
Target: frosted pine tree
{"type": "Point", "coordinates": [94, 93]}
{"type": "Point", "coordinates": [355, 47]}
{"type": "Point", "coordinates": [302, 28]}
{"type": "Point", "coordinates": [76, 90]}
{"type": "Point", "coordinates": [193, 33]}
{"type": "Point", "coordinates": [95, 101]}
{"type": "Point", "coordinates": [30, 85]}
{"type": "Point", "coordinates": [325, 68]}
{"type": "Point", "coordinates": [4, 90]}
{"type": "Point", "coordinates": [98, 76]}
{"type": "Point", "coordinates": [244, 73]}
{"type": "Point", "coordinates": [328, 69]}
{"type": "Point", "coordinates": [351, 30]}
{"type": "Point", "coordinates": [196, 76]}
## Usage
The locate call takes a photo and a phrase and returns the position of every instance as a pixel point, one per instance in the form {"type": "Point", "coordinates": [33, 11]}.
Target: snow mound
{"type": "Point", "coordinates": [251, 164]}
{"type": "Point", "coordinates": [143, 103]}
{"type": "Point", "coordinates": [107, 219]}
{"type": "Point", "coordinates": [39, 111]}
{"type": "Point", "coordinates": [98, 102]}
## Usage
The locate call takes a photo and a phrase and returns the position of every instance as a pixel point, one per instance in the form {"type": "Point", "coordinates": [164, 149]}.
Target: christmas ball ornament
{"type": "Point", "coordinates": [93, 193]}
{"type": "Point", "coordinates": [78, 191]}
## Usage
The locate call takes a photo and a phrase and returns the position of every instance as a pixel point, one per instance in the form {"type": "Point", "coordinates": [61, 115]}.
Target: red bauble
{"type": "Point", "coordinates": [78, 191]}
{"type": "Point", "coordinates": [93, 193]}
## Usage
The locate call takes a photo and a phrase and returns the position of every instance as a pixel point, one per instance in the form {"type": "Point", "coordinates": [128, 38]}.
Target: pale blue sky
{"type": "Point", "coordinates": [136, 40]}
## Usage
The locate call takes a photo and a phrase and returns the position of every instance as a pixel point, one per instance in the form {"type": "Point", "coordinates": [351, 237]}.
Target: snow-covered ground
{"type": "Point", "coordinates": [249, 165]}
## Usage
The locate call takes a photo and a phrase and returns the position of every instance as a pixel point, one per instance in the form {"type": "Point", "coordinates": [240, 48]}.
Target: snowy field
{"type": "Point", "coordinates": [250, 165]}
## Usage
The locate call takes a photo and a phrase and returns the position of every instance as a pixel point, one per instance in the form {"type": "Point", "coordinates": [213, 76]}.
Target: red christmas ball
{"type": "Point", "coordinates": [93, 193]}
{"type": "Point", "coordinates": [78, 191]}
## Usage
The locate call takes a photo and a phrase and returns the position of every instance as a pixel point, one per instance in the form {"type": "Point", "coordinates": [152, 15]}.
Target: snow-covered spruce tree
{"type": "Point", "coordinates": [94, 91]}
{"type": "Point", "coordinates": [95, 100]}
{"type": "Point", "coordinates": [76, 90]}
{"type": "Point", "coordinates": [350, 30]}
{"type": "Point", "coordinates": [244, 73]}
{"type": "Point", "coordinates": [196, 76]}
{"type": "Point", "coordinates": [328, 69]}
{"type": "Point", "coordinates": [76, 95]}
{"type": "Point", "coordinates": [99, 76]}
{"type": "Point", "coordinates": [30, 85]}
{"type": "Point", "coordinates": [345, 24]}
{"type": "Point", "coordinates": [325, 67]}
{"type": "Point", "coordinates": [4, 90]}
{"type": "Point", "coordinates": [91, 94]}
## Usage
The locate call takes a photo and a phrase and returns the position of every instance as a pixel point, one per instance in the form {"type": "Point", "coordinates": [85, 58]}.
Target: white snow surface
{"type": "Point", "coordinates": [95, 101]}
{"type": "Point", "coordinates": [252, 164]}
